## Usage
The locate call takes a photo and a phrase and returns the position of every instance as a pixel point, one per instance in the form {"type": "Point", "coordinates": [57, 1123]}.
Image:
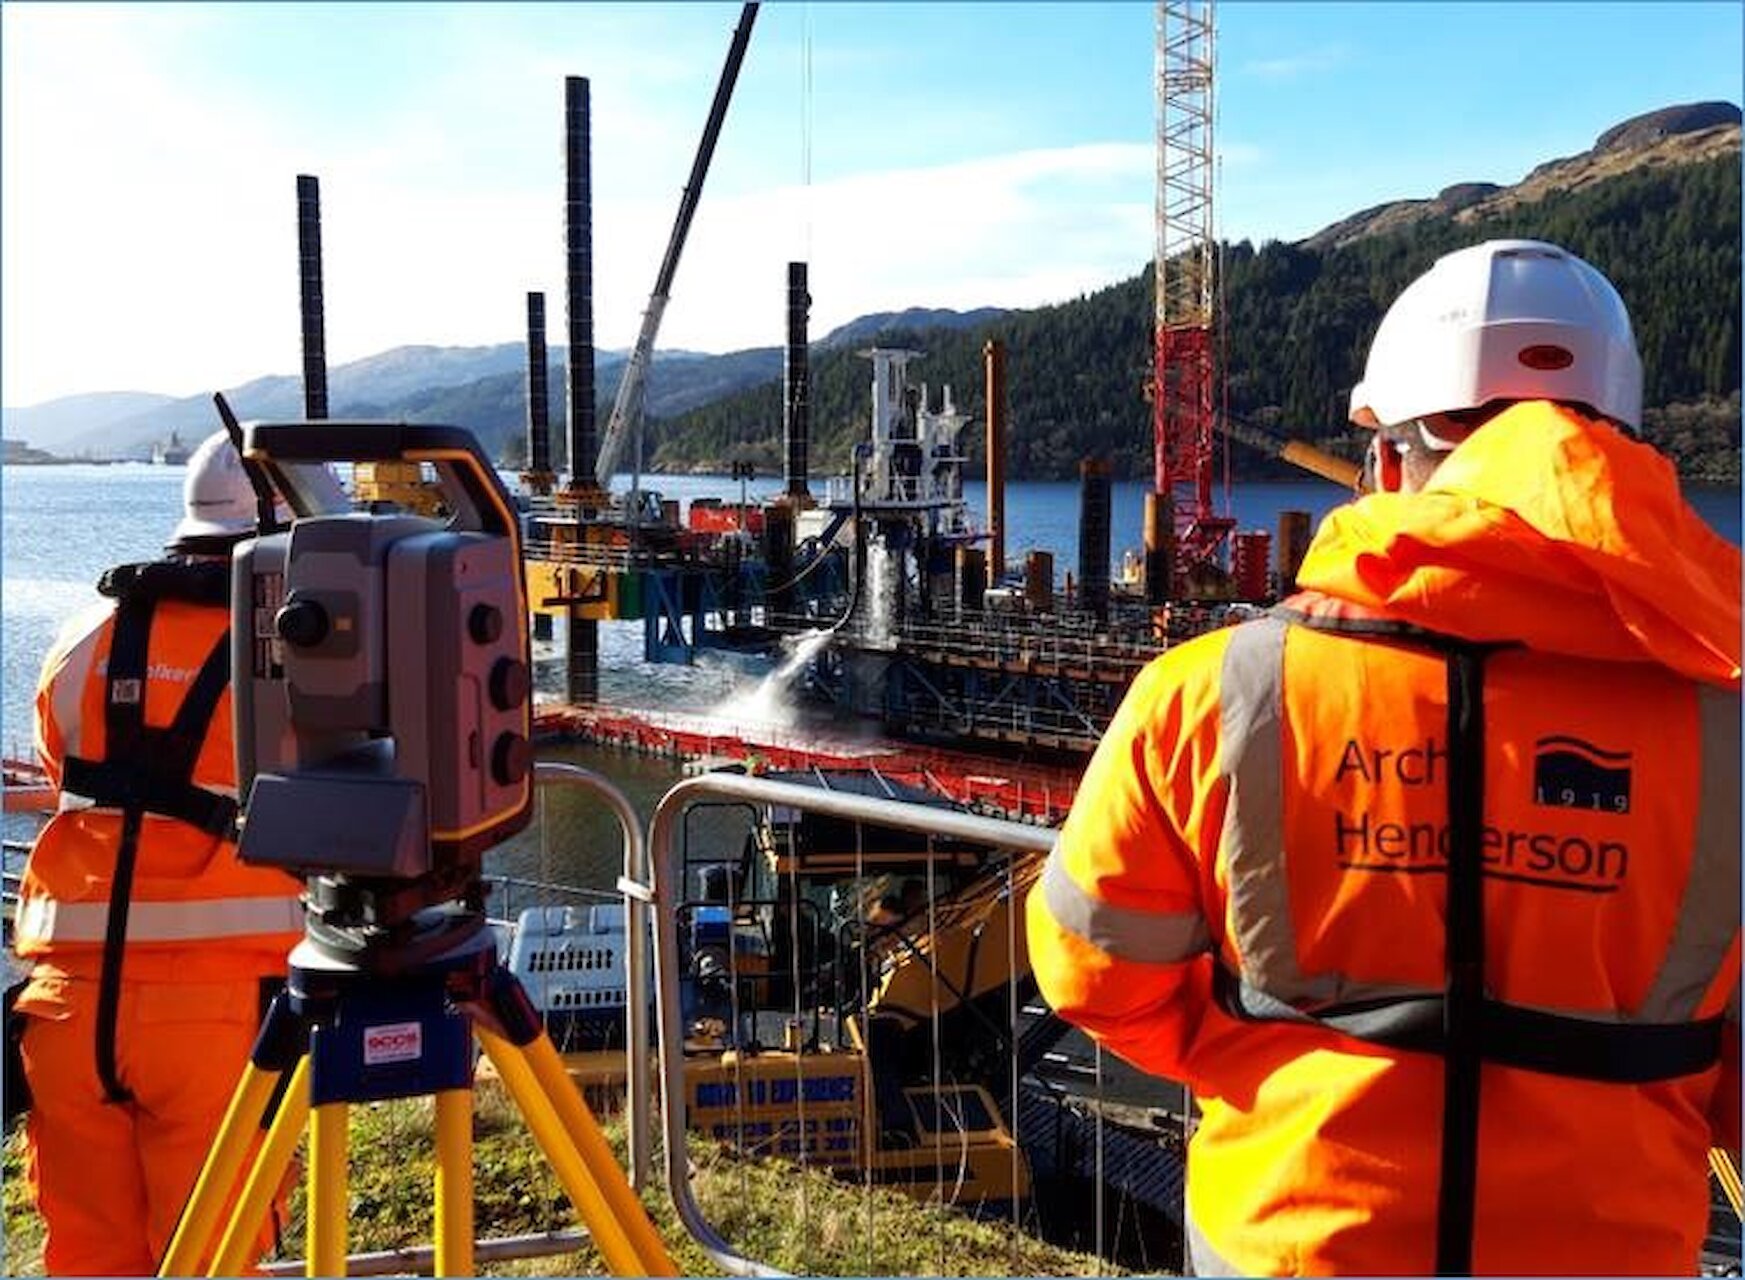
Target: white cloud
{"type": "Point", "coordinates": [1303, 63]}
{"type": "Point", "coordinates": [134, 213]}
{"type": "Point", "coordinates": [149, 216]}
{"type": "Point", "coordinates": [1017, 230]}
{"type": "Point", "coordinates": [1241, 155]}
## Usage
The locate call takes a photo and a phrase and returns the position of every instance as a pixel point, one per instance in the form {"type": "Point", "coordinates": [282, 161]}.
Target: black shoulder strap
{"type": "Point", "coordinates": [192, 581]}
{"type": "Point", "coordinates": [1463, 1045]}
{"type": "Point", "coordinates": [124, 687]}
{"type": "Point", "coordinates": [156, 772]}
{"type": "Point", "coordinates": [187, 733]}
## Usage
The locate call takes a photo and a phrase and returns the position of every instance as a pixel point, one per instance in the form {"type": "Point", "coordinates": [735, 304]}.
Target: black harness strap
{"type": "Point", "coordinates": [144, 771]}
{"type": "Point", "coordinates": [103, 781]}
{"type": "Point", "coordinates": [124, 721]}
{"type": "Point", "coordinates": [158, 775]}
{"type": "Point", "coordinates": [186, 734]}
{"type": "Point", "coordinates": [1579, 1048]}
{"type": "Point", "coordinates": [193, 581]}
{"type": "Point", "coordinates": [1463, 1030]}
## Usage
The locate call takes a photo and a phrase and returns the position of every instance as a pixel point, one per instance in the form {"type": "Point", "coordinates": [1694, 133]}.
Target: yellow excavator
{"type": "Point", "coordinates": [848, 991]}
{"type": "Point", "coordinates": [845, 994]}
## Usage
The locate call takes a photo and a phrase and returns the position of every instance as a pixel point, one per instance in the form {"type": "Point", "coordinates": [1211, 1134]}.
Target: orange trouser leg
{"type": "Point", "coordinates": [111, 1179]}
{"type": "Point", "coordinates": [84, 1169]}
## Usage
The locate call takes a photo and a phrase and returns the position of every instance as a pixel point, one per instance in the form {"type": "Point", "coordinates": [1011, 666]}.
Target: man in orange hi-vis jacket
{"type": "Point", "coordinates": [1427, 882]}
{"type": "Point", "coordinates": [147, 940]}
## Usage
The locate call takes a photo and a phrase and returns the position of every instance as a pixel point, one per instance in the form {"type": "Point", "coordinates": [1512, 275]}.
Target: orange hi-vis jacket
{"type": "Point", "coordinates": [1255, 891]}
{"type": "Point", "coordinates": [194, 912]}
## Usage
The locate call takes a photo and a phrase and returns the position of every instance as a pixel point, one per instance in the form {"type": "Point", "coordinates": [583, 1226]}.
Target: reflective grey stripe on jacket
{"type": "Point", "coordinates": [1251, 699]}
{"type": "Point", "coordinates": [1709, 915]}
{"type": "Point", "coordinates": [1202, 1259]}
{"type": "Point", "coordinates": [43, 919]}
{"type": "Point", "coordinates": [76, 664]}
{"type": "Point", "coordinates": [1148, 937]}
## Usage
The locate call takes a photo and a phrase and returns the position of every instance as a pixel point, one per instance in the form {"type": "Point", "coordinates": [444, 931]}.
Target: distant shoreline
{"type": "Point", "coordinates": [49, 460]}
{"type": "Point", "coordinates": [36, 458]}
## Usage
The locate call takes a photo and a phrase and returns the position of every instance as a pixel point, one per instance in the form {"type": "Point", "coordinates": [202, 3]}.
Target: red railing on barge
{"type": "Point", "coordinates": [1028, 792]}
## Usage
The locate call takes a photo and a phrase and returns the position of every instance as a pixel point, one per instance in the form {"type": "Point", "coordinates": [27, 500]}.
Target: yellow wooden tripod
{"type": "Point", "coordinates": [342, 1036]}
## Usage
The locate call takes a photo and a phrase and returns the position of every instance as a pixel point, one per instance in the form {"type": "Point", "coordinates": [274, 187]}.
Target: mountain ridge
{"type": "Point", "coordinates": [1685, 134]}
{"type": "Point", "coordinates": [411, 381]}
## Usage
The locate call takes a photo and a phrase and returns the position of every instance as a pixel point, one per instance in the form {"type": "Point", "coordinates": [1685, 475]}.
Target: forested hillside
{"type": "Point", "coordinates": [1299, 320]}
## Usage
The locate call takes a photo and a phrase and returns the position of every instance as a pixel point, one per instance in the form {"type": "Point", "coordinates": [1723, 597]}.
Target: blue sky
{"type": "Point", "coordinates": [915, 154]}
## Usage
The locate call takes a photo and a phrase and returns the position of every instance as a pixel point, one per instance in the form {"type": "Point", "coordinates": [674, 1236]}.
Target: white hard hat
{"type": "Point", "coordinates": [217, 499]}
{"type": "Point", "coordinates": [218, 502]}
{"type": "Point", "coordinates": [1502, 320]}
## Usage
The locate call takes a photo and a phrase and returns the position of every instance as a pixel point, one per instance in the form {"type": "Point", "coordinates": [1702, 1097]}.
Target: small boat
{"type": "Point", "coordinates": [27, 788]}
{"type": "Point", "coordinates": [171, 452]}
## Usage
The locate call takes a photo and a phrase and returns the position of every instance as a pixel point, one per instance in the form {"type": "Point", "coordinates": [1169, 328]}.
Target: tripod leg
{"type": "Point", "coordinates": [578, 1153]}
{"type": "Point", "coordinates": [277, 1050]}
{"type": "Point", "coordinates": [584, 1132]}
{"type": "Point", "coordinates": [454, 1182]}
{"type": "Point", "coordinates": [328, 1133]}
{"type": "Point", "coordinates": [242, 1236]}
{"type": "Point", "coordinates": [218, 1175]}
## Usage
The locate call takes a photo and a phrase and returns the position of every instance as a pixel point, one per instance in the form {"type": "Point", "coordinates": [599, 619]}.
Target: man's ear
{"type": "Point", "coordinates": [1383, 467]}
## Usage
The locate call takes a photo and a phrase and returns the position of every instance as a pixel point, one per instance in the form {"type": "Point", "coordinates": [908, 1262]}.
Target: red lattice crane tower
{"type": "Point", "coordinates": [1185, 374]}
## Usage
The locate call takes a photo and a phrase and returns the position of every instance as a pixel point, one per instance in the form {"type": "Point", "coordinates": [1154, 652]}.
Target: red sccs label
{"type": "Point", "coordinates": [393, 1042]}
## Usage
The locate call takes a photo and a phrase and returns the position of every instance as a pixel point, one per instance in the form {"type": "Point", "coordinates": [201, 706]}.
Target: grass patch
{"type": "Point", "coordinates": [802, 1221]}
{"type": "Point", "coordinates": [23, 1227]}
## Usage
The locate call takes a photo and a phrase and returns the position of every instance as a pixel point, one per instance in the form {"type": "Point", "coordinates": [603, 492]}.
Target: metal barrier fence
{"type": "Point", "coordinates": [631, 885]}
{"type": "Point", "coordinates": [11, 880]}
{"type": "Point", "coordinates": [778, 1085]}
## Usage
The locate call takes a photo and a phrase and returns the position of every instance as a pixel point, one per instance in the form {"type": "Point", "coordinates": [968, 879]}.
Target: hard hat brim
{"type": "Point", "coordinates": [188, 528]}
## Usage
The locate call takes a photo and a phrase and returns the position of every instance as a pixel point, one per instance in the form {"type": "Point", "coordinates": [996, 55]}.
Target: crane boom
{"type": "Point", "coordinates": [1296, 452]}
{"type": "Point", "coordinates": [627, 404]}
